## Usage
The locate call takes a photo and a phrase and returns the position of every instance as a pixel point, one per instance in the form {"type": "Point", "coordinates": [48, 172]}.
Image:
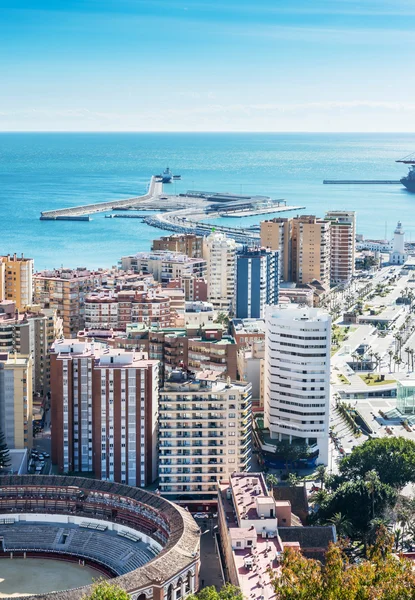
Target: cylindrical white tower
{"type": "Point", "coordinates": [399, 239]}
{"type": "Point", "coordinates": [297, 375]}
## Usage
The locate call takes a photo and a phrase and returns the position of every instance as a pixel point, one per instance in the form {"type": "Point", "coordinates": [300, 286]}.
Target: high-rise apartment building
{"type": "Point", "coordinates": [276, 234]}
{"type": "Point", "coordinates": [65, 291]}
{"type": "Point", "coordinates": [16, 399]}
{"type": "Point", "coordinates": [311, 250]}
{"type": "Point", "coordinates": [342, 244]}
{"type": "Point", "coordinates": [297, 376]}
{"type": "Point", "coordinates": [104, 412]}
{"type": "Point", "coordinates": [30, 333]}
{"type": "Point", "coordinates": [257, 282]}
{"type": "Point", "coordinates": [205, 435]}
{"type": "Point", "coordinates": [303, 243]}
{"type": "Point", "coordinates": [187, 243]}
{"type": "Point", "coordinates": [219, 252]}
{"type": "Point", "coordinates": [16, 280]}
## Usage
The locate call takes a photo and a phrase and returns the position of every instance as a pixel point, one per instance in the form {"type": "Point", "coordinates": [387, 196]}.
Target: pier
{"type": "Point", "coordinates": [361, 182]}
{"type": "Point", "coordinates": [154, 191]}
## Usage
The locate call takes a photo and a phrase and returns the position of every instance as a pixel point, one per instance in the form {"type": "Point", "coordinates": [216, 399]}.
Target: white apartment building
{"type": "Point", "coordinates": [220, 255]}
{"type": "Point", "coordinates": [164, 265]}
{"type": "Point", "coordinates": [104, 412]}
{"type": "Point", "coordinates": [297, 376]}
{"type": "Point", "coordinates": [342, 245]}
{"type": "Point", "coordinates": [204, 435]}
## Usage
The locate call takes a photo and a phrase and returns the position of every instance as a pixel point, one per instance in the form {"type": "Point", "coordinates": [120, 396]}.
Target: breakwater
{"type": "Point", "coordinates": [154, 191]}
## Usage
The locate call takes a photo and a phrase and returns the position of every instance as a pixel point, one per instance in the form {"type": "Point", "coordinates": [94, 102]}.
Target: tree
{"type": "Point", "coordinates": [319, 498]}
{"type": "Point", "coordinates": [4, 453]}
{"type": "Point", "coordinates": [372, 480]}
{"type": "Point", "coordinates": [383, 577]}
{"type": "Point", "coordinates": [293, 479]}
{"type": "Point", "coordinates": [105, 590]}
{"type": "Point", "coordinates": [321, 474]}
{"type": "Point", "coordinates": [392, 458]}
{"type": "Point", "coordinates": [357, 504]}
{"type": "Point", "coordinates": [272, 481]}
{"type": "Point", "coordinates": [341, 523]}
{"type": "Point", "coordinates": [227, 592]}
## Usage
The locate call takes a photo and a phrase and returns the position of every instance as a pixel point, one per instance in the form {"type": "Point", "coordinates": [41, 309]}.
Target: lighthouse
{"type": "Point", "coordinates": [398, 256]}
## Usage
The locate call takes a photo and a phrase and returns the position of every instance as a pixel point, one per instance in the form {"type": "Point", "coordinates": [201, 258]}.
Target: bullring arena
{"type": "Point", "coordinates": [94, 529]}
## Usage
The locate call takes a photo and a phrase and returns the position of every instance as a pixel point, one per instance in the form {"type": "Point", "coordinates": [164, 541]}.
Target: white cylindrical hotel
{"type": "Point", "coordinates": [297, 375]}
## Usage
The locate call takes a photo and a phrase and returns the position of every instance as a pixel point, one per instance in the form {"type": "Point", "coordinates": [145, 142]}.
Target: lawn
{"type": "Point", "coordinates": [375, 380]}
{"type": "Point", "coordinates": [343, 379]}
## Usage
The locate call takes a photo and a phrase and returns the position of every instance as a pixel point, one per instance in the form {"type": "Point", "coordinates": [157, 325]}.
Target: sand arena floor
{"type": "Point", "coordinates": [22, 577]}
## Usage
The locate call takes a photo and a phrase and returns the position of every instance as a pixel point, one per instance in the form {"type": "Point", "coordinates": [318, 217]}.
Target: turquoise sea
{"type": "Point", "coordinates": [41, 171]}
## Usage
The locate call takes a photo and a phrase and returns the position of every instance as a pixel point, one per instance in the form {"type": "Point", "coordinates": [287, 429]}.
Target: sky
{"type": "Point", "coordinates": [207, 65]}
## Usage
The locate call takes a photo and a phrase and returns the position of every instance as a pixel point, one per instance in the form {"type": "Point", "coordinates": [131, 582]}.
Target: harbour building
{"type": "Point", "coordinates": [104, 412]}
{"type": "Point", "coordinates": [256, 282]}
{"type": "Point", "coordinates": [297, 377]}
{"type": "Point", "coordinates": [342, 245]}
{"type": "Point", "coordinates": [204, 435]}
{"type": "Point", "coordinates": [16, 280]}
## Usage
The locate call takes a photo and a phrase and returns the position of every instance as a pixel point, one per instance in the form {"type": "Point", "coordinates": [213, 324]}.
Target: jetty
{"type": "Point", "coordinates": [361, 182]}
{"type": "Point", "coordinates": [154, 191]}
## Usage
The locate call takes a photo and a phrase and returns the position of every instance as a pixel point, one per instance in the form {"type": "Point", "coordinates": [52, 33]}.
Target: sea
{"type": "Point", "coordinates": [44, 171]}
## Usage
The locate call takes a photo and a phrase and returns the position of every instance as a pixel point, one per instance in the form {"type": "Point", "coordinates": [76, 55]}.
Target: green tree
{"type": "Point", "coordinates": [4, 453]}
{"type": "Point", "coordinates": [357, 503]}
{"type": "Point", "coordinates": [372, 480]}
{"type": "Point", "coordinates": [342, 524]}
{"type": "Point", "coordinates": [227, 592]}
{"type": "Point", "coordinates": [105, 590]}
{"type": "Point", "coordinates": [272, 481]}
{"type": "Point", "coordinates": [321, 474]}
{"type": "Point", "coordinates": [293, 479]}
{"type": "Point", "coordinates": [392, 458]}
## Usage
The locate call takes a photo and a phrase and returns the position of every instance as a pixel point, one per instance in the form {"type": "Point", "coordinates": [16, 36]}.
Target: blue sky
{"type": "Point", "coordinates": [208, 65]}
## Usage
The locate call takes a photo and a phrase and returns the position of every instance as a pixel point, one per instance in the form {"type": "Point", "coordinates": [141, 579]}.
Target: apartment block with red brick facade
{"type": "Point", "coordinates": [104, 412]}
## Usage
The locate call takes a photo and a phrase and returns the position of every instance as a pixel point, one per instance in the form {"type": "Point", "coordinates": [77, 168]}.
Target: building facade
{"type": "Point", "coordinates": [257, 282]}
{"type": "Point", "coordinates": [303, 244]}
{"type": "Point", "coordinates": [187, 243]}
{"type": "Point", "coordinates": [104, 412]}
{"type": "Point", "coordinates": [16, 399]}
{"type": "Point", "coordinates": [297, 376]}
{"type": "Point", "coordinates": [65, 291]}
{"type": "Point", "coordinates": [205, 435]}
{"type": "Point", "coordinates": [342, 245]}
{"type": "Point", "coordinates": [164, 265]}
{"type": "Point", "coordinates": [30, 333]}
{"type": "Point", "coordinates": [16, 280]}
{"type": "Point", "coordinates": [220, 254]}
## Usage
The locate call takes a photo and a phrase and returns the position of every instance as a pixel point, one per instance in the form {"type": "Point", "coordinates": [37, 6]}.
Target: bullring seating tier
{"type": "Point", "coordinates": [120, 554]}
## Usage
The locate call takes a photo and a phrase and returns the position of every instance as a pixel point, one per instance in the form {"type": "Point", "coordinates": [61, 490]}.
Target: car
{"type": "Point", "coordinates": [200, 515]}
{"type": "Point", "coordinates": [46, 455]}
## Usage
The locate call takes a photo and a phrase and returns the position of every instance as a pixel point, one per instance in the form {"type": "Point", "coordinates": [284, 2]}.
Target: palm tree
{"type": "Point", "coordinates": [372, 480]}
{"type": "Point", "coordinates": [318, 498]}
{"type": "Point", "coordinates": [272, 481]}
{"type": "Point", "coordinates": [408, 352]}
{"type": "Point", "coordinates": [390, 353]}
{"type": "Point", "coordinates": [377, 360]}
{"type": "Point", "coordinates": [341, 523]}
{"type": "Point", "coordinates": [321, 475]}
